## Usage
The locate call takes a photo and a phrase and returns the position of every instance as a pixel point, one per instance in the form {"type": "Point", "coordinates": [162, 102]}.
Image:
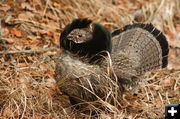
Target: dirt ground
{"type": "Point", "coordinates": [29, 41]}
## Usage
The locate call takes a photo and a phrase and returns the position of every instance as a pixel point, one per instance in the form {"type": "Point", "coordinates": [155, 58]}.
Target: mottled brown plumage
{"type": "Point", "coordinates": [84, 82]}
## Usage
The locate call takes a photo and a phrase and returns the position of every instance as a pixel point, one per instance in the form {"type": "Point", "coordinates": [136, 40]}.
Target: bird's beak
{"type": "Point", "coordinates": [91, 26]}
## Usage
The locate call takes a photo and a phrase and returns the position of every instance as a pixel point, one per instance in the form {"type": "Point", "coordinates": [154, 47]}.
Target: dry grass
{"type": "Point", "coordinates": [27, 86]}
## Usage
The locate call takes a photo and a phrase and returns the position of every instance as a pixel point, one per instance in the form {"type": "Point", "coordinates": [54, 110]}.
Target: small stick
{"type": "Point", "coordinates": [177, 47]}
{"type": "Point", "coordinates": [0, 30]}
{"type": "Point", "coordinates": [166, 70]}
{"type": "Point", "coordinates": [28, 51]}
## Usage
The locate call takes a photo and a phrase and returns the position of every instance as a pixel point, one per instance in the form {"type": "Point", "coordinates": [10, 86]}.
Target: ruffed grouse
{"type": "Point", "coordinates": [136, 49]}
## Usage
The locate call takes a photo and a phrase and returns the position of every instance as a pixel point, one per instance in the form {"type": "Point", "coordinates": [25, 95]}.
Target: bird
{"type": "Point", "coordinates": [86, 38]}
{"type": "Point", "coordinates": [137, 48]}
{"type": "Point", "coordinates": [133, 51]}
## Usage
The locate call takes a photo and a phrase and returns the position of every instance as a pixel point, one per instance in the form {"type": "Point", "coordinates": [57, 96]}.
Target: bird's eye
{"type": "Point", "coordinates": [80, 35]}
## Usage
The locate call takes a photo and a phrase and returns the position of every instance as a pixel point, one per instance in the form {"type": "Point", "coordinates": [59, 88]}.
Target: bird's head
{"type": "Point", "coordinates": [80, 35]}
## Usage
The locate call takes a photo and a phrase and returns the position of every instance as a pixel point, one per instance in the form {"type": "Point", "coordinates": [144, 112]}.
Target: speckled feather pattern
{"type": "Point", "coordinates": [137, 49]}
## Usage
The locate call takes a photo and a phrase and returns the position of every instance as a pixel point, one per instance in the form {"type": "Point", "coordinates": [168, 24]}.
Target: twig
{"type": "Point", "coordinates": [29, 51]}
{"type": "Point", "coordinates": [0, 29]}
{"type": "Point", "coordinates": [31, 22]}
{"type": "Point", "coordinates": [167, 70]}
{"type": "Point", "coordinates": [174, 47]}
{"type": "Point", "coordinates": [178, 48]}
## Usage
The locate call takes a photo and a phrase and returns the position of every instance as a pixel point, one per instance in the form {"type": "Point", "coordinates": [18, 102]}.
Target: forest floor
{"type": "Point", "coordinates": [29, 40]}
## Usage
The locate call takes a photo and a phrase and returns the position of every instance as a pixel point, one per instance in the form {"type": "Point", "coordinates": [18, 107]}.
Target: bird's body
{"type": "Point", "coordinates": [84, 82]}
{"type": "Point", "coordinates": [136, 49]}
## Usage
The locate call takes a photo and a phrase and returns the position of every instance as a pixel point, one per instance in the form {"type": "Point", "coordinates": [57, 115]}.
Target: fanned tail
{"type": "Point", "coordinates": [144, 47]}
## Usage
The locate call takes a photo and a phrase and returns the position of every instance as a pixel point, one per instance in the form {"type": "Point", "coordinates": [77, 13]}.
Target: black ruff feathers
{"type": "Point", "coordinates": [101, 40]}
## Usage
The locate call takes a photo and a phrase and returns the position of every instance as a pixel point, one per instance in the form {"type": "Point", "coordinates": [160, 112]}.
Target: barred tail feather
{"type": "Point", "coordinates": [142, 43]}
